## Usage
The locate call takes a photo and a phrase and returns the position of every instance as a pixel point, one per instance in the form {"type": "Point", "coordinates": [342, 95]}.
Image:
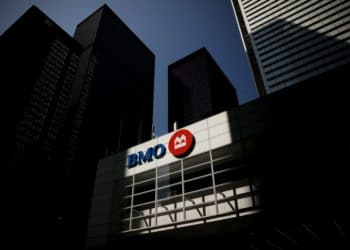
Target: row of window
{"type": "Point", "coordinates": [33, 117]}
{"type": "Point", "coordinates": [264, 9]}
{"type": "Point", "coordinates": [307, 56]}
{"type": "Point", "coordinates": [25, 139]}
{"type": "Point", "coordinates": [305, 66]}
{"type": "Point", "coordinates": [309, 42]}
{"type": "Point", "coordinates": [304, 36]}
{"type": "Point", "coordinates": [319, 24]}
{"type": "Point", "coordinates": [191, 187]}
{"type": "Point", "coordinates": [169, 178]}
{"type": "Point", "coordinates": [313, 43]}
{"type": "Point", "coordinates": [175, 178]}
{"type": "Point", "coordinates": [236, 198]}
{"type": "Point", "coordinates": [297, 19]}
{"type": "Point", "coordinates": [249, 4]}
{"type": "Point", "coordinates": [28, 131]}
{"type": "Point", "coordinates": [289, 9]}
{"type": "Point", "coordinates": [54, 68]}
{"type": "Point", "coordinates": [311, 70]}
{"type": "Point", "coordinates": [60, 46]}
{"type": "Point", "coordinates": [304, 8]}
{"type": "Point", "coordinates": [40, 99]}
{"type": "Point", "coordinates": [47, 86]}
{"type": "Point", "coordinates": [275, 13]}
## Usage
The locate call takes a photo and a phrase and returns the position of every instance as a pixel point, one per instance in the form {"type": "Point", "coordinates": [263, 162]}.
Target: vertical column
{"type": "Point", "coordinates": [212, 173]}
{"type": "Point", "coordinates": [156, 198]}
{"type": "Point", "coordinates": [213, 180]}
{"type": "Point", "coordinates": [235, 200]}
{"type": "Point", "coordinates": [252, 193]}
{"type": "Point", "coordinates": [183, 189]}
{"type": "Point", "coordinates": [132, 202]}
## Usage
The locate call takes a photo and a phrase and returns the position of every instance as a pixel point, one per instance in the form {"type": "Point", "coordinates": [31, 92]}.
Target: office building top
{"type": "Point", "coordinates": [93, 20]}
{"type": "Point", "coordinates": [197, 89]}
{"type": "Point", "coordinates": [122, 69]}
{"type": "Point", "coordinates": [289, 42]}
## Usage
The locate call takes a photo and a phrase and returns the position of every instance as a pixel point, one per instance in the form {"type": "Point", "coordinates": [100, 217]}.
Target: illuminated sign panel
{"type": "Point", "coordinates": [181, 144]}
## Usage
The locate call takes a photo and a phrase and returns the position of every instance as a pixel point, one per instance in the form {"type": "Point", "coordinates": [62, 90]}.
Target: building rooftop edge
{"type": "Point", "coordinates": [106, 7]}
{"type": "Point", "coordinates": [188, 57]}
{"type": "Point", "coordinates": [35, 8]}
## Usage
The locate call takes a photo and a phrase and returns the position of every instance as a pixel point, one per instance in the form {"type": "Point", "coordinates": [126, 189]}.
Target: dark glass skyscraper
{"type": "Point", "coordinates": [111, 103]}
{"type": "Point", "coordinates": [69, 102]}
{"type": "Point", "coordinates": [197, 89]}
{"type": "Point", "coordinates": [38, 63]}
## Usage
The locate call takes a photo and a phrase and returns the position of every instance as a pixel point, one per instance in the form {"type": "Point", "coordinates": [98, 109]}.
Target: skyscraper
{"type": "Point", "coordinates": [69, 102]}
{"type": "Point", "coordinates": [38, 63]}
{"type": "Point", "coordinates": [111, 103]}
{"type": "Point", "coordinates": [290, 42]}
{"type": "Point", "coordinates": [197, 89]}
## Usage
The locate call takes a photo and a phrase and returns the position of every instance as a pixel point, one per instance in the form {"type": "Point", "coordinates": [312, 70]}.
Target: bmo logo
{"type": "Point", "coordinates": [180, 145]}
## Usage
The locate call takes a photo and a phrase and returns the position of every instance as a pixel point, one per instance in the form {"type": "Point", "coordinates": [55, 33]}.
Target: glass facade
{"type": "Point", "coordinates": [45, 112]}
{"type": "Point", "coordinates": [293, 41]}
{"type": "Point", "coordinates": [38, 64]}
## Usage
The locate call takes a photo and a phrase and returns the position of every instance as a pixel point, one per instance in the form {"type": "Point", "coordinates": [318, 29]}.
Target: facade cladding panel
{"type": "Point", "coordinates": [197, 89]}
{"type": "Point", "coordinates": [292, 41]}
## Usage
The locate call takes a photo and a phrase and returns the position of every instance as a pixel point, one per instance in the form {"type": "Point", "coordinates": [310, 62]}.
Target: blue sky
{"type": "Point", "coordinates": [171, 29]}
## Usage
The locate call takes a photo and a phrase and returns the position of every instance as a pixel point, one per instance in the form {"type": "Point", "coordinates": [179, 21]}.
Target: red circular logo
{"type": "Point", "coordinates": [181, 143]}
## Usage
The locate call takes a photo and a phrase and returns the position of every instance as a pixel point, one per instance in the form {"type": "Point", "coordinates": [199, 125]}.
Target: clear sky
{"type": "Point", "coordinates": [171, 29]}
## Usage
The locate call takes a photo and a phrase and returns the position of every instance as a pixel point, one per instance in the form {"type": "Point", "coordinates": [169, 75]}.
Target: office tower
{"type": "Point", "coordinates": [197, 89]}
{"type": "Point", "coordinates": [111, 106]}
{"type": "Point", "coordinates": [290, 42]}
{"type": "Point", "coordinates": [38, 63]}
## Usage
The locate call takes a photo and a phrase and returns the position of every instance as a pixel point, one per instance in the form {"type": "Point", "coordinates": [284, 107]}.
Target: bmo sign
{"type": "Point", "coordinates": [180, 145]}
